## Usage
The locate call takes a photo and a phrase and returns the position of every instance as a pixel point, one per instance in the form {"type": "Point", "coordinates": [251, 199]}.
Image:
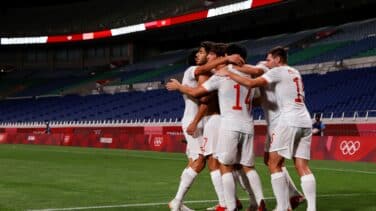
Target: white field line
{"type": "Point", "coordinates": [185, 202]}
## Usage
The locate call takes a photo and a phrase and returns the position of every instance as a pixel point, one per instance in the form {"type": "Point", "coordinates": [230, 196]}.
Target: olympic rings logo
{"type": "Point", "coordinates": [349, 147]}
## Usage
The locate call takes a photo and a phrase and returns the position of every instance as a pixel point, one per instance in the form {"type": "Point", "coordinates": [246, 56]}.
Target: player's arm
{"type": "Point", "coordinates": [194, 92]}
{"type": "Point", "coordinates": [235, 59]}
{"type": "Point", "coordinates": [203, 107]}
{"type": "Point", "coordinates": [248, 82]}
{"type": "Point", "coordinates": [192, 127]}
{"type": "Point", "coordinates": [252, 70]}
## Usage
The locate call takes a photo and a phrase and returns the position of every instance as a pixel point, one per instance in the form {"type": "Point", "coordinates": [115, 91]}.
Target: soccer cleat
{"type": "Point", "coordinates": [295, 201]}
{"type": "Point", "coordinates": [219, 208]}
{"type": "Point", "coordinates": [174, 205]}
{"type": "Point", "coordinates": [212, 208]}
{"type": "Point", "coordinates": [262, 206]}
{"type": "Point", "coordinates": [216, 208]}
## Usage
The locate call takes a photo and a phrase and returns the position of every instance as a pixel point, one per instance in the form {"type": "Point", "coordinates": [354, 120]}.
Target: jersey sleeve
{"type": "Point", "coordinates": [263, 67]}
{"type": "Point", "coordinates": [272, 76]}
{"type": "Point", "coordinates": [213, 83]}
{"type": "Point", "coordinates": [191, 72]}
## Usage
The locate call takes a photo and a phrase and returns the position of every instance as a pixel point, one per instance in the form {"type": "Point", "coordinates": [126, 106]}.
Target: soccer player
{"type": "Point", "coordinates": [235, 143]}
{"type": "Point", "coordinates": [291, 137]}
{"type": "Point", "coordinates": [271, 110]}
{"type": "Point", "coordinates": [211, 128]}
{"type": "Point", "coordinates": [191, 124]}
{"type": "Point", "coordinates": [196, 159]}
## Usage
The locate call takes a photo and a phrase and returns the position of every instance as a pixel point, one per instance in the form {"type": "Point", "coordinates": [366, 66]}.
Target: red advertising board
{"type": "Point", "coordinates": [171, 139]}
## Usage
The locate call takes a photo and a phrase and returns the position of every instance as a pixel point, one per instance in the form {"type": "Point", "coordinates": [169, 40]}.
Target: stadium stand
{"type": "Point", "coordinates": [337, 94]}
{"type": "Point", "coordinates": [353, 85]}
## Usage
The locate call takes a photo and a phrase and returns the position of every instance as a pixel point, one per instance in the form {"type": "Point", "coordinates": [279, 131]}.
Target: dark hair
{"type": "Point", "coordinates": [237, 49]}
{"type": "Point", "coordinates": [280, 52]}
{"type": "Point", "coordinates": [207, 45]}
{"type": "Point", "coordinates": [191, 58]}
{"type": "Point", "coordinates": [219, 49]}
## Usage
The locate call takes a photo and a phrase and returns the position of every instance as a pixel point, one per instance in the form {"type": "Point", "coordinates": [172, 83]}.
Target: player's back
{"type": "Point", "coordinates": [191, 105]}
{"type": "Point", "coordinates": [289, 91]}
{"type": "Point", "coordinates": [234, 102]}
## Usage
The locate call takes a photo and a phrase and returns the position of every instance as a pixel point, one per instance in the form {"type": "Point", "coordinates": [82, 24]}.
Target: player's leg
{"type": "Point", "coordinates": [281, 145]}
{"type": "Point", "coordinates": [229, 187]}
{"type": "Point", "coordinates": [247, 160]}
{"type": "Point", "coordinates": [209, 148]}
{"type": "Point", "coordinates": [296, 198]}
{"type": "Point", "coordinates": [227, 152]}
{"type": "Point", "coordinates": [279, 181]}
{"type": "Point", "coordinates": [216, 178]}
{"type": "Point", "coordinates": [195, 166]}
{"type": "Point", "coordinates": [242, 180]}
{"type": "Point", "coordinates": [186, 180]}
{"type": "Point", "coordinates": [302, 156]}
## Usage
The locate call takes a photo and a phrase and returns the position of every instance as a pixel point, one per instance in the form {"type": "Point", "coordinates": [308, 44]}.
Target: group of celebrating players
{"type": "Point", "coordinates": [219, 92]}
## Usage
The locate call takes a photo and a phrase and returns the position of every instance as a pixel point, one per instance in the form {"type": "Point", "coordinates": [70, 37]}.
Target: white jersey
{"type": "Point", "coordinates": [191, 105]}
{"type": "Point", "coordinates": [268, 100]}
{"type": "Point", "coordinates": [234, 102]}
{"type": "Point", "coordinates": [289, 92]}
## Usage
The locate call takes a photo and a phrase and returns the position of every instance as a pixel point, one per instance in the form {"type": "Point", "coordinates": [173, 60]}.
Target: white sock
{"type": "Point", "coordinates": [218, 187]}
{"type": "Point", "coordinates": [255, 182]}
{"type": "Point", "coordinates": [280, 189]}
{"type": "Point", "coordinates": [186, 180]}
{"type": "Point", "coordinates": [309, 190]}
{"type": "Point", "coordinates": [293, 191]}
{"type": "Point", "coordinates": [244, 184]}
{"type": "Point", "coordinates": [229, 190]}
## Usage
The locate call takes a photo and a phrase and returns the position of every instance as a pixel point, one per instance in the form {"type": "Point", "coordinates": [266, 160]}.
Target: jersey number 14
{"type": "Point", "coordinates": [247, 100]}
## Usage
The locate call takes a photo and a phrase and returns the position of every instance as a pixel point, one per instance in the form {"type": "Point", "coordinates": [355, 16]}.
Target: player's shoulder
{"type": "Point", "coordinates": [292, 69]}
{"type": "Point", "coordinates": [233, 68]}
{"type": "Point", "coordinates": [284, 69]}
{"type": "Point", "coordinates": [191, 68]}
{"type": "Point", "coordinates": [280, 68]}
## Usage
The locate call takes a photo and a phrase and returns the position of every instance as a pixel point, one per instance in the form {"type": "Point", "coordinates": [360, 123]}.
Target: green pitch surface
{"type": "Point", "coordinates": [67, 178]}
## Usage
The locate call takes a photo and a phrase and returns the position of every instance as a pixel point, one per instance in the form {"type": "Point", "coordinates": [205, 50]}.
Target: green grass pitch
{"type": "Point", "coordinates": [36, 177]}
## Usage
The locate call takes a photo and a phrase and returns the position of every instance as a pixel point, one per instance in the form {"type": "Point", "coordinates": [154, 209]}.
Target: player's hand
{"type": "Point", "coordinates": [191, 129]}
{"type": "Point", "coordinates": [222, 72]}
{"type": "Point", "coordinates": [173, 85]}
{"type": "Point", "coordinates": [235, 59]}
